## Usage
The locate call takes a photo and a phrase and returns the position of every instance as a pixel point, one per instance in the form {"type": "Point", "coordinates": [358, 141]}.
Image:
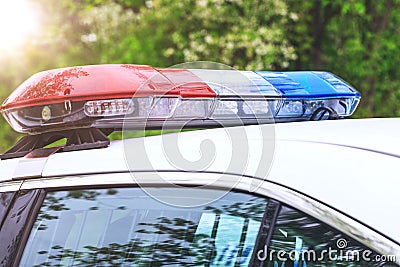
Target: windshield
{"type": "Point", "coordinates": [125, 226]}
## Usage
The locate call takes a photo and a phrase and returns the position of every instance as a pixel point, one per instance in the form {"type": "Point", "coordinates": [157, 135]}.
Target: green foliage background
{"type": "Point", "coordinates": [355, 39]}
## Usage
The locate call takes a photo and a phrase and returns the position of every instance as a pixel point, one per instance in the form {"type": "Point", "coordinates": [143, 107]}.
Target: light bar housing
{"type": "Point", "coordinates": [138, 96]}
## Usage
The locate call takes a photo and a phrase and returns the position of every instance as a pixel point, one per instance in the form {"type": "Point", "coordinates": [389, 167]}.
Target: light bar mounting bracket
{"type": "Point", "coordinates": [77, 139]}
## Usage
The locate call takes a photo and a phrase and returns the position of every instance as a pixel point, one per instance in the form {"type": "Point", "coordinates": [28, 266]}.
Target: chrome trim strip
{"type": "Point", "coordinates": [10, 186]}
{"type": "Point", "coordinates": [343, 145]}
{"type": "Point", "coordinates": [328, 215]}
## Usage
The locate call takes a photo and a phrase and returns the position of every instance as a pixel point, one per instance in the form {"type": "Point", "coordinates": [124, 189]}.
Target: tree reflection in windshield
{"type": "Point", "coordinates": [314, 244]}
{"type": "Point", "coordinates": [121, 227]}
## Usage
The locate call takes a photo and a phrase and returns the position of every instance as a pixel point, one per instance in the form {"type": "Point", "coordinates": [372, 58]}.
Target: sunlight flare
{"type": "Point", "coordinates": [18, 21]}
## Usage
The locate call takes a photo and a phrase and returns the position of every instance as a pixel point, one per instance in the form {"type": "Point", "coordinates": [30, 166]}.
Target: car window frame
{"type": "Point", "coordinates": [286, 196]}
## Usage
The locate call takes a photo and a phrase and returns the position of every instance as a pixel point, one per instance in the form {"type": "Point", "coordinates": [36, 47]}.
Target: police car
{"type": "Point", "coordinates": [267, 179]}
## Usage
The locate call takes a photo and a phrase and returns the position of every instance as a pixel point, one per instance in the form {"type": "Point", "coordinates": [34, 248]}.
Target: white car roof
{"type": "Point", "coordinates": [380, 135]}
{"type": "Point", "coordinates": [350, 165]}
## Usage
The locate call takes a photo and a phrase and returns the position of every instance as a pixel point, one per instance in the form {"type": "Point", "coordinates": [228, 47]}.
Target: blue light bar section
{"type": "Point", "coordinates": [283, 83]}
{"type": "Point", "coordinates": [339, 85]}
{"type": "Point", "coordinates": [262, 85]}
{"type": "Point", "coordinates": [309, 84]}
{"type": "Point", "coordinates": [229, 83]}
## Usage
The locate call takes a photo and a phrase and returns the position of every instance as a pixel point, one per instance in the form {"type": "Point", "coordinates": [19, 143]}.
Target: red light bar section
{"type": "Point", "coordinates": [188, 84]}
{"type": "Point", "coordinates": [105, 82]}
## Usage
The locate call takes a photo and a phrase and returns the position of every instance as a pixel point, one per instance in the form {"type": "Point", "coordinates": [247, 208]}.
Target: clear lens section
{"type": "Point", "coordinates": [153, 111]}
{"type": "Point", "coordinates": [39, 119]}
{"type": "Point", "coordinates": [225, 108]}
{"type": "Point", "coordinates": [12, 119]}
{"type": "Point", "coordinates": [167, 107]}
{"type": "Point", "coordinates": [256, 107]}
{"type": "Point", "coordinates": [152, 107]}
{"type": "Point", "coordinates": [163, 107]}
{"type": "Point", "coordinates": [291, 109]}
{"type": "Point", "coordinates": [144, 104]}
{"type": "Point", "coordinates": [112, 107]}
{"type": "Point", "coordinates": [351, 105]}
{"type": "Point", "coordinates": [306, 108]}
{"type": "Point", "coordinates": [242, 108]}
{"type": "Point", "coordinates": [188, 108]}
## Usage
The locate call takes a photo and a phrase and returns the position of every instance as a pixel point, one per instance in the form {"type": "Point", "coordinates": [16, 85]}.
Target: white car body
{"type": "Point", "coordinates": [351, 166]}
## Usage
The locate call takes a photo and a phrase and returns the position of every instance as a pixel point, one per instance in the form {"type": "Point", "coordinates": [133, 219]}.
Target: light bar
{"type": "Point", "coordinates": [305, 92]}
{"type": "Point", "coordinates": [107, 108]}
{"type": "Point", "coordinates": [136, 96]}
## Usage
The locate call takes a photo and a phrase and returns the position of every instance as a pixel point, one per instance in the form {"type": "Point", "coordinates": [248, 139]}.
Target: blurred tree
{"type": "Point", "coordinates": [241, 34]}
{"type": "Point", "coordinates": [363, 45]}
{"type": "Point", "coordinates": [356, 39]}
